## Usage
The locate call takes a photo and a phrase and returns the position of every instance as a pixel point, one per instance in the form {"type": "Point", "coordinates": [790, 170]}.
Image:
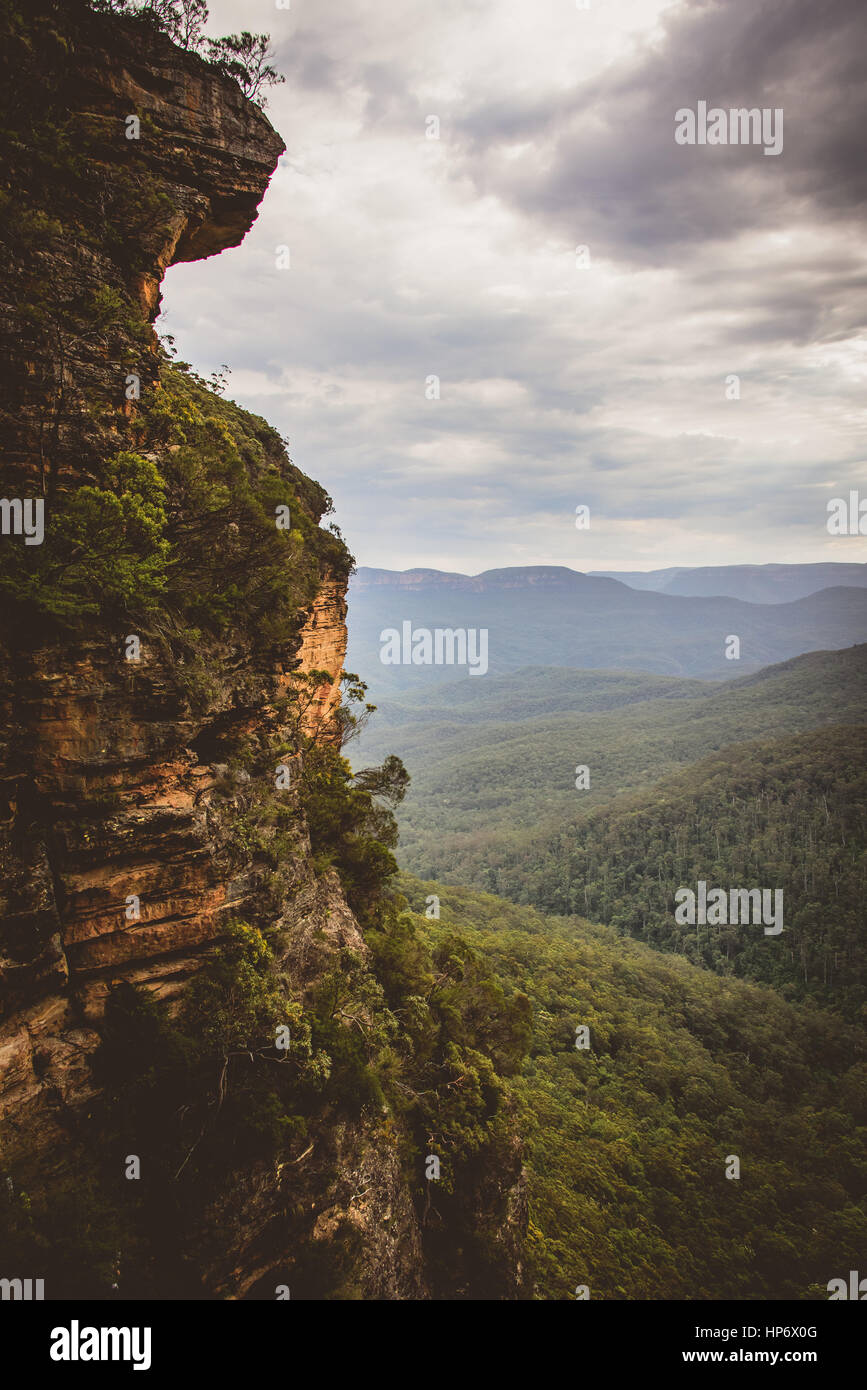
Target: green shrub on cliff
{"type": "Point", "coordinates": [347, 829]}
{"type": "Point", "coordinates": [180, 533]}
{"type": "Point", "coordinates": [243, 57]}
{"type": "Point", "coordinates": [105, 551]}
{"type": "Point", "coordinates": [227, 473]}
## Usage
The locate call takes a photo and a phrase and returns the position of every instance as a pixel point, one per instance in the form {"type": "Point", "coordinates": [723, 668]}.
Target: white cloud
{"type": "Point", "coordinates": [456, 257]}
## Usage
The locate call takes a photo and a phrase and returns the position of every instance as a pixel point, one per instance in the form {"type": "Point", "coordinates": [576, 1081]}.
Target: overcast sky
{"type": "Point", "coordinates": [560, 385]}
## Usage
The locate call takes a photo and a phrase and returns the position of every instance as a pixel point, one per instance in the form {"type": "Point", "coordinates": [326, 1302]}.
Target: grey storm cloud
{"type": "Point", "coordinates": [609, 163]}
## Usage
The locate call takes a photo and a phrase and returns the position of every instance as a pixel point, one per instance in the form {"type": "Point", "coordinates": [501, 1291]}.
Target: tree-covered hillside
{"type": "Point", "coordinates": [632, 1137]}
{"type": "Point", "coordinates": [484, 783]}
{"type": "Point", "coordinates": [789, 814]}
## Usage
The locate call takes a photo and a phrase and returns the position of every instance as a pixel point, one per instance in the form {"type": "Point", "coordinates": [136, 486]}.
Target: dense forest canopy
{"type": "Point", "coordinates": [631, 1136]}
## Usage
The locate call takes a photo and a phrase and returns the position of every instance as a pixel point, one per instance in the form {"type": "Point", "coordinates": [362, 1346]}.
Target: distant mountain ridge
{"type": "Point", "coordinates": [749, 583]}
{"type": "Point", "coordinates": [510, 577]}
{"type": "Point", "coordinates": [553, 616]}
{"type": "Point", "coordinates": [752, 583]}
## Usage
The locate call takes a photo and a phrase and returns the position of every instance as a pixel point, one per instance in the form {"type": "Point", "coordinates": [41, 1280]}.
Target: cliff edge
{"type": "Point", "coordinates": [187, 865]}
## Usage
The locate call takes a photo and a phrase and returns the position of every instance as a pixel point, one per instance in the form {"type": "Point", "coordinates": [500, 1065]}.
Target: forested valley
{"type": "Point", "coordinates": [662, 1052]}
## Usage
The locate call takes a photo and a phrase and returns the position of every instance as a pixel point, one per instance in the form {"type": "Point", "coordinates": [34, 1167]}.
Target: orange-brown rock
{"type": "Point", "coordinates": [123, 845]}
{"type": "Point", "coordinates": [323, 648]}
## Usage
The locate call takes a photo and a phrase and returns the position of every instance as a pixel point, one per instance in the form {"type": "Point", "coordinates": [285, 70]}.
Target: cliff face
{"type": "Point", "coordinates": [323, 648]}
{"type": "Point", "coordinates": [83, 725]}
{"type": "Point", "coordinates": [113, 780]}
{"type": "Point", "coordinates": [137, 818]}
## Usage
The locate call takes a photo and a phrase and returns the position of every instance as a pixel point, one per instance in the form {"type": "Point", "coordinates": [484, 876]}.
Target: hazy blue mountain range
{"type": "Point", "coordinates": [553, 616]}
{"type": "Point", "coordinates": [753, 583]}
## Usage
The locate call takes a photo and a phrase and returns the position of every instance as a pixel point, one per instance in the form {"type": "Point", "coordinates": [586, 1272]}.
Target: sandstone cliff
{"type": "Point", "coordinates": [138, 817]}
